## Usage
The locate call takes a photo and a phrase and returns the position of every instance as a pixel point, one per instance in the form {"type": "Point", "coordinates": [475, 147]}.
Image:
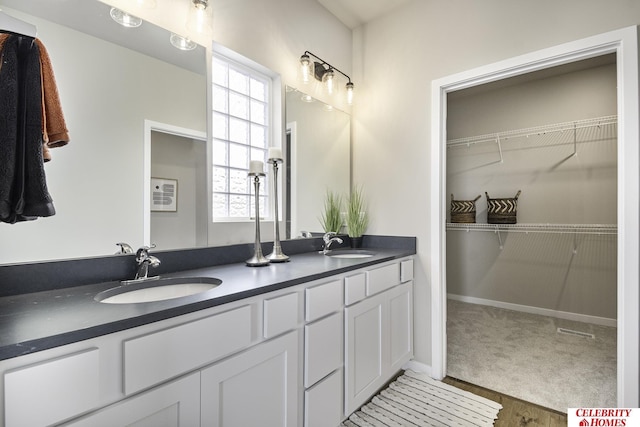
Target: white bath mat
{"type": "Point", "coordinates": [415, 399]}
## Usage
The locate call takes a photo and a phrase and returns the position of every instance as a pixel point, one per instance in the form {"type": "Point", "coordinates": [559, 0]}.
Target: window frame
{"type": "Point", "coordinates": [273, 126]}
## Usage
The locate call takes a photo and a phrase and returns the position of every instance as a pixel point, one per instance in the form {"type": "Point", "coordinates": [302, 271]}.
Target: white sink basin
{"type": "Point", "coordinates": [157, 290]}
{"type": "Point", "coordinates": [350, 253]}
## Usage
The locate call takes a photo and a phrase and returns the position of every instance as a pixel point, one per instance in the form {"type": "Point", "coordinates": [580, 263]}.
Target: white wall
{"type": "Point", "coordinates": [558, 272]}
{"type": "Point", "coordinates": [397, 57]}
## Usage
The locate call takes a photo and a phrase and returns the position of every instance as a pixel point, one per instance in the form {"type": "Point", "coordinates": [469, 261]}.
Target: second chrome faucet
{"type": "Point", "coordinates": [329, 238]}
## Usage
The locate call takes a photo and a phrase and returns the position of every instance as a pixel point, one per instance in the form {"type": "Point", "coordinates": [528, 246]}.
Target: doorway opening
{"type": "Point", "coordinates": [624, 44]}
{"type": "Point", "coordinates": [176, 156]}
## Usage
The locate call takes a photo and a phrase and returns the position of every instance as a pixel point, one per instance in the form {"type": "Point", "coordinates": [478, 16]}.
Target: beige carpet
{"type": "Point", "coordinates": [523, 355]}
{"type": "Point", "coordinates": [416, 400]}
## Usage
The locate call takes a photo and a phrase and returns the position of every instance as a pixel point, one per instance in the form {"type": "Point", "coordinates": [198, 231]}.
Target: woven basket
{"type": "Point", "coordinates": [502, 211]}
{"type": "Point", "coordinates": [463, 211]}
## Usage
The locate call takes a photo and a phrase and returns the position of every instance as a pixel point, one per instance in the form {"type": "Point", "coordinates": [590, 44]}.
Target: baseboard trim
{"type": "Point", "coordinates": [603, 321]}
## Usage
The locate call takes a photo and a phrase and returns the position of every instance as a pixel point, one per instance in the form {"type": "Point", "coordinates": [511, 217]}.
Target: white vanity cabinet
{"type": "Point", "coordinates": [378, 332]}
{"type": "Point", "coordinates": [307, 355]}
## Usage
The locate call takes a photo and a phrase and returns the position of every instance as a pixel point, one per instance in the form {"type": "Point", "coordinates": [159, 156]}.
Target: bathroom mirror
{"type": "Point", "coordinates": [111, 81]}
{"type": "Point", "coordinates": [319, 146]}
{"type": "Point", "coordinates": [110, 84]}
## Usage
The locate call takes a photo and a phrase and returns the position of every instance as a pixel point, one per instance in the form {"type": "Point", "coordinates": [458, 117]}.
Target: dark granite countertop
{"type": "Point", "coordinates": [36, 321]}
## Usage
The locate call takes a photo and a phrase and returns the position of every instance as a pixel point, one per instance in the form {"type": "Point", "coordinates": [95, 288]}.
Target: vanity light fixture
{"type": "Point", "coordinates": [182, 43]}
{"type": "Point", "coordinates": [199, 18]}
{"type": "Point", "coordinates": [125, 19]}
{"type": "Point", "coordinates": [324, 72]}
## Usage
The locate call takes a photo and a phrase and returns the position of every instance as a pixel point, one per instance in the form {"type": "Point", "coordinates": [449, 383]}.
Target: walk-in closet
{"type": "Point", "coordinates": [532, 305]}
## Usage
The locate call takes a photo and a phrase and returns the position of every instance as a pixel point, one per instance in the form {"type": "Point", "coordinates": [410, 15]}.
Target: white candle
{"type": "Point", "coordinates": [275, 153]}
{"type": "Point", "coordinates": [256, 167]}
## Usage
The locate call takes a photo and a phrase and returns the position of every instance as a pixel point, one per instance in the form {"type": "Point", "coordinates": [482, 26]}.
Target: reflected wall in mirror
{"type": "Point", "coordinates": [319, 146]}
{"type": "Point", "coordinates": [107, 90]}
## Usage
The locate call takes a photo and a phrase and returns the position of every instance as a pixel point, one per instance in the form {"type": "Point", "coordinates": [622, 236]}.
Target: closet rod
{"type": "Point", "coordinates": [538, 130]}
{"type": "Point", "coordinates": [596, 229]}
{"type": "Point", "coordinates": [14, 25]}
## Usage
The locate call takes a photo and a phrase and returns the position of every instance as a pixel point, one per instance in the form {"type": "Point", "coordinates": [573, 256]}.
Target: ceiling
{"type": "Point", "coordinates": [354, 13]}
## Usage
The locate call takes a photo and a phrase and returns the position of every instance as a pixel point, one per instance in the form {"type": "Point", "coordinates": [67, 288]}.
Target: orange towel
{"type": "Point", "coordinates": [54, 127]}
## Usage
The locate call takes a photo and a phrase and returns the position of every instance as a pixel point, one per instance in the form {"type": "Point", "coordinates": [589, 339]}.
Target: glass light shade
{"type": "Point", "coordinates": [328, 78]}
{"type": "Point", "coordinates": [305, 69]}
{"type": "Point", "coordinates": [182, 43]}
{"type": "Point", "coordinates": [125, 19]}
{"type": "Point", "coordinates": [349, 87]}
{"type": "Point", "coordinates": [199, 19]}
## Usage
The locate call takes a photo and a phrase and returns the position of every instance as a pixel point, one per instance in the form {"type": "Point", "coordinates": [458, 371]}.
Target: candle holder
{"type": "Point", "coordinates": [277, 255]}
{"type": "Point", "coordinates": [257, 260]}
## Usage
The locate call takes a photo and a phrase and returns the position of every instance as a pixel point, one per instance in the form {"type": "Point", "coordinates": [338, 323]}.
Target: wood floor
{"type": "Point", "coordinates": [514, 412]}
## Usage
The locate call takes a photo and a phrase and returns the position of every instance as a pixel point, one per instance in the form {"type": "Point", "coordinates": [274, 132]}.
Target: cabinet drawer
{"type": "Point", "coordinates": [322, 348]}
{"type": "Point", "coordinates": [355, 288]}
{"type": "Point", "coordinates": [162, 355]}
{"type": "Point", "coordinates": [382, 278]}
{"type": "Point", "coordinates": [322, 300]}
{"type": "Point", "coordinates": [323, 402]}
{"type": "Point", "coordinates": [280, 315]}
{"type": "Point", "coordinates": [49, 392]}
{"type": "Point", "coordinates": [406, 271]}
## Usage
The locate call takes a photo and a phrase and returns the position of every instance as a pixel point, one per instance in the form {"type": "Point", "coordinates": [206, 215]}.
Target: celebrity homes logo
{"type": "Point", "coordinates": [603, 417]}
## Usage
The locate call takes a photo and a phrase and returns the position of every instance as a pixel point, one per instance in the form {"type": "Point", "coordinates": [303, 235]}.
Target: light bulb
{"type": "Point", "coordinates": [349, 93]}
{"type": "Point", "coordinates": [182, 43]}
{"type": "Point", "coordinates": [305, 69]}
{"type": "Point", "coordinates": [199, 19]}
{"type": "Point", "coordinates": [124, 19]}
{"type": "Point", "coordinates": [328, 79]}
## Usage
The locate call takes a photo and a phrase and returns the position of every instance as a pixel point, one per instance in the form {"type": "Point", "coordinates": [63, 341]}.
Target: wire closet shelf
{"type": "Point", "coordinates": [598, 229]}
{"type": "Point", "coordinates": [535, 131]}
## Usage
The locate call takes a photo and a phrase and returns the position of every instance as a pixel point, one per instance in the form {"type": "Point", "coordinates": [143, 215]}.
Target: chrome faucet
{"type": "Point", "coordinates": [125, 248]}
{"type": "Point", "coordinates": [145, 260]}
{"type": "Point", "coordinates": [329, 238]}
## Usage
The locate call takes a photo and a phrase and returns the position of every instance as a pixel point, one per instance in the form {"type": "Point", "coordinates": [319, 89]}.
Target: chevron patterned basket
{"type": "Point", "coordinates": [463, 211]}
{"type": "Point", "coordinates": [502, 211]}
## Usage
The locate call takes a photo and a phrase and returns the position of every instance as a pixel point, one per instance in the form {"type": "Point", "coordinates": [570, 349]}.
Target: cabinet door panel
{"type": "Point", "coordinates": [364, 341]}
{"type": "Point", "coordinates": [323, 348]}
{"type": "Point", "coordinates": [401, 325]}
{"type": "Point", "coordinates": [258, 387]}
{"type": "Point", "coordinates": [176, 404]}
{"type": "Point", "coordinates": [323, 402]}
{"type": "Point", "coordinates": [51, 391]}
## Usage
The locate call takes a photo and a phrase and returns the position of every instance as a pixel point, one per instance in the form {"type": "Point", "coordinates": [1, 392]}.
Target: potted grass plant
{"type": "Point", "coordinates": [331, 218]}
{"type": "Point", "coordinates": [357, 217]}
